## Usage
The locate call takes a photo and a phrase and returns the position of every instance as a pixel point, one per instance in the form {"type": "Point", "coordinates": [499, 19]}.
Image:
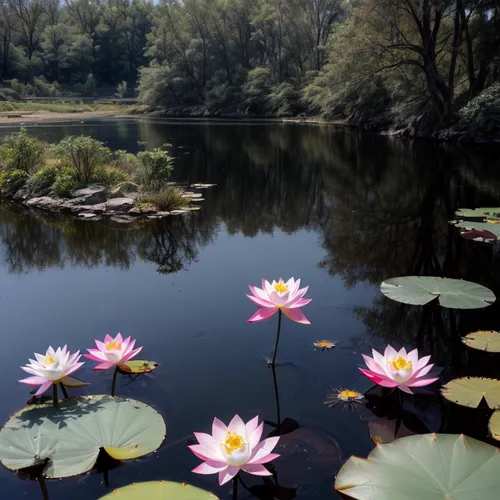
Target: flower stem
{"type": "Point", "coordinates": [277, 396]}
{"type": "Point", "coordinates": [235, 487]}
{"type": "Point", "coordinates": [43, 487]}
{"type": "Point", "coordinates": [55, 399]}
{"type": "Point", "coordinates": [113, 384]}
{"type": "Point", "coordinates": [64, 391]}
{"type": "Point", "coordinates": [273, 363]}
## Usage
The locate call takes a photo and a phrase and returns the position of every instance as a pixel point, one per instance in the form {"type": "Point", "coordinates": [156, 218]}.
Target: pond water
{"type": "Point", "coordinates": [342, 211]}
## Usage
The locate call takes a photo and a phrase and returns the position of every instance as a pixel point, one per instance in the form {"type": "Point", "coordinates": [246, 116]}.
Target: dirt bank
{"type": "Point", "coordinates": [31, 118]}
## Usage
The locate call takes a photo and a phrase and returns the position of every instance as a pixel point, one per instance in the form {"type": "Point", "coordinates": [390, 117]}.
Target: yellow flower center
{"type": "Point", "coordinates": [401, 363]}
{"type": "Point", "coordinates": [49, 360]}
{"type": "Point", "coordinates": [233, 442]}
{"type": "Point", "coordinates": [113, 345]}
{"type": "Point", "coordinates": [324, 343]}
{"type": "Point", "coordinates": [281, 287]}
{"type": "Point", "coordinates": [348, 395]}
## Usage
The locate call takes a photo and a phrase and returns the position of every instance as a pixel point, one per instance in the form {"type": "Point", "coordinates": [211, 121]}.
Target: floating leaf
{"type": "Point", "coordinates": [483, 340]}
{"type": "Point", "coordinates": [469, 391]}
{"type": "Point", "coordinates": [428, 466]}
{"type": "Point", "coordinates": [483, 230]}
{"type": "Point", "coordinates": [73, 382]}
{"type": "Point", "coordinates": [482, 235]}
{"type": "Point", "coordinates": [159, 490]}
{"type": "Point", "coordinates": [483, 213]}
{"type": "Point", "coordinates": [71, 435]}
{"type": "Point", "coordinates": [419, 290]}
{"type": "Point", "coordinates": [494, 425]}
{"type": "Point", "coordinates": [138, 366]}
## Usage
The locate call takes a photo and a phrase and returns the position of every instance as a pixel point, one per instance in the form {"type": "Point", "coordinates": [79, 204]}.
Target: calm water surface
{"type": "Point", "coordinates": [339, 210]}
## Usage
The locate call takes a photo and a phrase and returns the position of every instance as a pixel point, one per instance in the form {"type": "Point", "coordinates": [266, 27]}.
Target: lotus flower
{"type": "Point", "coordinates": [112, 351]}
{"type": "Point", "coordinates": [233, 448]}
{"type": "Point", "coordinates": [275, 296]}
{"type": "Point", "coordinates": [398, 369]}
{"type": "Point", "coordinates": [51, 368]}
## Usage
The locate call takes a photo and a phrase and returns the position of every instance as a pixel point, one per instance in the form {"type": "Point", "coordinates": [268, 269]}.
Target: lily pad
{"type": "Point", "coordinates": [159, 490]}
{"type": "Point", "coordinates": [483, 213]}
{"type": "Point", "coordinates": [71, 436]}
{"type": "Point", "coordinates": [484, 230]}
{"type": "Point", "coordinates": [451, 293]}
{"type": "Point", "coordinates": [470, 391]}
{"type": "Point", "coordinates": [428, 466]}
{"type": "Point", "coordinates": [494, 425]}
{"type": "Point", "coordinates": [138, 366]}
{"type": "Point", "coordinates": [483, 340]}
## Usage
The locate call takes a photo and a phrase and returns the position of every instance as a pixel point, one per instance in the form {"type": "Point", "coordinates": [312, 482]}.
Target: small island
{"type": "Point", "coordinates": [81, 176]}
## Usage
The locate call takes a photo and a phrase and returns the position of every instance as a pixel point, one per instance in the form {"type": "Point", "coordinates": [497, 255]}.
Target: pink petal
{"type": "Point", "coordinates": [103, 366]}
{"type": "Point", "coordinates": [263, 313]}
{"type": "Point", "coordinates": [93, 357]}
{"type": "Point", "coordinates": [219, 431]}
{"type": "Point", "coordinates": [210, 467]}
{"type": "Point", "coordinates": [205, 453]}
{"type": "Point", "coordinates": [130, 355]}
{"type": "Point", "coordinates": [33, 380]}
{"type": "Point", "coordinates": [255, 435]}
{"type": "Point", "coordinates": [423, 371]}
{"type": "Point", "coordinates": [262, 451]}
{"type": "Point", "coordinates": [252, 425]}
{"type": "Point", "coordinates": [422, 362]}
{"type": "Point", "coordinates": [108, 338]}
{"type": "Point", "coordinates": [206, 440]}
{"type": "Point", "coordinates": [257, 292]}
{"type": "Point", "coordinates": [413, 357]}
{"type": "Point", "coordinates": [299, 303]}
{"type": "Point", "coordinates": [43, 388]}
{"type": "Point", "coordinates": [296, 315]}
{"type": "Point", "coordinates": [373, 365]}
{"type": "Point", "coordinates": [29, 370]}
{"type": "Point", "coordinates": [237, 426]}
{"type": "Point", "coordinates": [119, 338]}
{"type": "Point", "coordinates": [404, 388]}
{"type": "Point", "coordinates": [228, 474]}
{"type": "Point", "coordinates": [296, 294]}
{"type": "Point", "coordinates": [260, 302]}
{"type": "Point", "coordinates": [379, 359]}
{"type": "Point", "coordinates": [390, 353]}
{"type": "Point", "coordinates": [378, 379]}
{"type": "Point", "coordinates": [74, 368]}
{"type": "Point", "coordinates": [100, 345]}
{"type": "Point", "coordinates": [256, 470]}
{"type": "Point", "coordinates": [423, 382]}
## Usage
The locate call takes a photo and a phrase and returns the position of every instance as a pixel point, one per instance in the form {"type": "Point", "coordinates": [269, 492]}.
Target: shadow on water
{"type": "Point", "coordinates": [376, 208]}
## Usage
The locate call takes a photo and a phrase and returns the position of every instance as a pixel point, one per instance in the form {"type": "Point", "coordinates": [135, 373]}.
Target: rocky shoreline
{"type": "Point", "coordinates": [97, 201]}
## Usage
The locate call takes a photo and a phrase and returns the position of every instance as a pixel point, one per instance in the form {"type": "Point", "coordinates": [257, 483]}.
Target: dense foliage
{"type": "Point", "coordinates": [372, 63]}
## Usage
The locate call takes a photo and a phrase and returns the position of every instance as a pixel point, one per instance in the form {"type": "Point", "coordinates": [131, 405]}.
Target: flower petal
{"type": "Point", "coordinates": [252, 425]}
{"type": "Point", "coordinates": [373, 365]}
{"type": "Point", "coordinates": [405, 388]}
{"type": "Point", "coordinates": [33, 380]}
{"type": "Point", "coordinates": [210, 467]}
{"type": "Point", "coordinates": [256, 470]}
{"type": "Point", "coordinates": [378, 379]}
{"type": "Point", "coordinates": [260, 302]}
{"type": "Point", "coordinates": [206, 440]}
{"type": "Point", "coordinates": [205, 453]}
{"type": "Point", "coordinates": [219, 431]}
{"type": "Point", "coordinates": [43, 388]}
{"type": "Point", "coordinates": [423, 382]}
{"type": "Point", "coordinates": [255, 435]}
{"type": "Point", "coordinates": [263, 313]}
{"type": "Point", "coordinates": [103, 366]}
{"type": "Point", "coordinates": [296, 315]}
{"type": "Point", "coordinates": [237, 426]}
{"type": "Point", "coordinates": [228, 474]}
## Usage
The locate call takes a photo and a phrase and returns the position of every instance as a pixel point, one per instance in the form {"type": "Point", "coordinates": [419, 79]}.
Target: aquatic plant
{"type": "Point", "coordinates": [112, 352]}
{"type": "Point", "coordinates": [322, 345]}
{"type": "Point", "coordinates": [50, 368]}
{"type": "Point", "coordinates": [398, 369]}
{"type": "Point", "coordinates": [278, 297]}
{"type": "Point", "coordinates": [235, 447]}
{"type": "Point", "coordinates": [159, 489]}
{"type": "Point", "coordinates": [347, 398]}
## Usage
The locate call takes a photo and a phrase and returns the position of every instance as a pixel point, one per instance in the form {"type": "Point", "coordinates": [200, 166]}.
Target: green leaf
{"type": "Point", "coordinates": [470, 391]}
{"type": "Point", "coordinates": [138, 366]}
{"type": "Point", "coordinates": [478, 226]}
{"type": "Point", "coordinates": [419, 290]}
{"type": "Point", "coordinates": [483, 213]}
{"type": "Point", "coordinates": [71, 435]}
{"type": "Point", "coordinates": [494, 425]}
{"type": "Point", "coordinates": [427, 466]}
{"type": "Point", "coordinates": [483, 340]}
{"type": "Point", "coordinates": [159, 490]}
{"type": "Point", "coordinates": [73, 382]}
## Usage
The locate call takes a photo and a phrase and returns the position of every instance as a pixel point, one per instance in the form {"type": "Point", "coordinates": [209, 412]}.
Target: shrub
{"type": "Point", "coordinates": [121, 89]}
{"type": "Point", "coordinates": [43, 88]}
{"type": "Point", "coordinates": [42, 181]}
{"type": "Point", "coordinates": [66, 181]}
{"type": "Point", "coordinates": [109, 176]}
{"type": "Point", "coordinates": [155, 168]}
{"type": "Point", "coordinates": [84, 154]}
{"type": "Point", "coordinates": [20, 151]}
{"type": "Point", "coordinates": [482, 112]}
{"type": "Point", "coordinates": [126, 162]}
{"type": "Point", "coordinates": [167, 199]}
{"type": "Point", "coordinates": [11, 181]}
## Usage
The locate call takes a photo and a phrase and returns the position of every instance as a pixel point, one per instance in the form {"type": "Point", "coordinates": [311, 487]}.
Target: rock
{"type": "Point", "coordinates": [123, 189]}
{"type": "Point", "coordinates": [87, 215]}
{"type": "Point", "coordinates": [203, 186]}
{"type": "Point", "coordinates": [178, 212]}
{"type": "Point", "coordinates": [144, 209]}
{"type": "Point", "coordinates": [46, 202]}
{"type": "Point", "coordinates": [98, 208]}
{"type": "Point", "coordinates": [90, 195]}
{"type": "Point", "coordinates": [119, 204]}
{"type": "Point", "coordinates": [22, 194]}
{"type": "Point", "coordinates": [122, 219]}
{"type": "Point", "coordinates": [162, 214]}
{"type": "Point", "coordinates": [191, 195]}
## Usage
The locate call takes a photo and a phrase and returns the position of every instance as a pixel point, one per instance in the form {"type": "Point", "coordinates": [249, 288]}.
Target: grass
{"type": "Point", "coordinates": [56, 107]}
{"type": "Point", "coordinates": [168, 199]}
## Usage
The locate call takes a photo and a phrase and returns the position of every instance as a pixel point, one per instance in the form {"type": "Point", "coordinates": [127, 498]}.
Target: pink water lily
{"type": "Point", "coordinates": [50, 368]}
{"type": "Point", "coordinates": [112, 351]}
{"type": "Point", "coordinates": [233, 448]}
{"type": "Point", "coordinates": [398, 369]}
{"type": "Point", "coordinates": [276, 296]}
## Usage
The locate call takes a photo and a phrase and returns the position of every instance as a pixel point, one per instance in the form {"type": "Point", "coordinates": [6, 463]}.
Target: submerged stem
{"type": "Point", "coordinates": [277, 396]}
{"type": "Point", "coordinates": [113, 384]}
{"type": "Point", "coordinates": [273, 363]}
{"type": "Point", "coordinates": [235, 487]}
{"type": "Point", "coordinates": [55, 399]}
{"type": "Point", "coordinates": [43, 487]}
{"type": "Point", "coordinates": [64, 391]}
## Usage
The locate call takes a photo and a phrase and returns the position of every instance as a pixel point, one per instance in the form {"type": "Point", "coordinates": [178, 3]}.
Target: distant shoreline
{"type": "Point", "coordinates": [31, 118]}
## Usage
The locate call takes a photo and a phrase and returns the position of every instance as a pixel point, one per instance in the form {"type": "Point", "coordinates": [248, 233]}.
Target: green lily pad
{"type": "Point", "coordinates": [160, 490]}
{"type": "Point", "coordinates": [494, 425]}
{"type": "Point", "coordinates": [484, 213]}
{"type": "Point", "coordinates": [427, 466]}
{"type": "Point", "coordinates": [484, 227]}
{"type": "Point", "coordinates": [470, 391]}
{"type": "Point", "coordinates": [71, 435]}
{"type": "Point", "coordinates": [483, 340]}
{"type": "Point", "coordinates": [451, 293]}
{"type": "Point", "coordinates": [138, 366]}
